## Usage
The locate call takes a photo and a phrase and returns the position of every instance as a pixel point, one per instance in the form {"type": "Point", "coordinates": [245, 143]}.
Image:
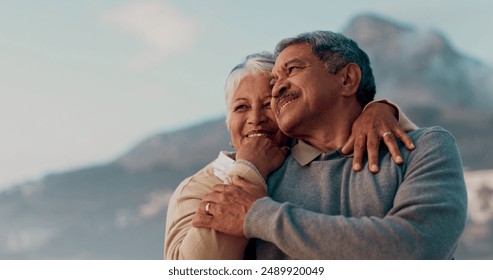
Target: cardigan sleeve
{"type": "Point", "coordinates": [404, 121]}
{"type": "Point", "coordinates": [247, 171]}
{"type": "Point", "coordinates": [183, 241]}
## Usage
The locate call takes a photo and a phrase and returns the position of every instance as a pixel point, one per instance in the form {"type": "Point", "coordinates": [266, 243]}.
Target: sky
{"type": "Point", "coordinates": [83, 81]}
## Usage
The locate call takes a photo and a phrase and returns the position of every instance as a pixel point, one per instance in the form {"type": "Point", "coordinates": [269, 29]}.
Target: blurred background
{"type": "Point", "coordinates": [105, 105]}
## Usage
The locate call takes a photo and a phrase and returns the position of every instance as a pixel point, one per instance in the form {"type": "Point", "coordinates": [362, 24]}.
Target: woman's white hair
{"type": "Point", "coordinates": [258, 63]}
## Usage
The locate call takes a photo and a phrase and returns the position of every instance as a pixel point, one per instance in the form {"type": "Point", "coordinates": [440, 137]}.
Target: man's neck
{"type": "Point", "coordinates": [333, 131]}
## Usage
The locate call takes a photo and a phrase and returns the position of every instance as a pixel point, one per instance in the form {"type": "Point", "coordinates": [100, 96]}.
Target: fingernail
{"type": "Point", "coordinates": [412, 146]}
{"type": "Point", "coordinates": [374, 168]}
{"type": "Point", "coordinates": [357, 166]}
{"type": "Point", "coordinates": [399, 159]}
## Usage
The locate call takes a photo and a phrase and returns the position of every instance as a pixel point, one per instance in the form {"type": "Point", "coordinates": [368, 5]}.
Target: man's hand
{"type": "Point", "coordinates": [376, 123]}
{"type": "Point", "coordinates": [263, 153]}
{"type": "Point", "coordinates": [228, 206]}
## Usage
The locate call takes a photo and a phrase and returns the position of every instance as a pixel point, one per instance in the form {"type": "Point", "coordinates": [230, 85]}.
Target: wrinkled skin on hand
{"type": "Point", "coordinates": [263, 153]}
{"type": "Point", "coordinates": [229, 205]}
{"type": "Point", "coordinates": [368, 131]}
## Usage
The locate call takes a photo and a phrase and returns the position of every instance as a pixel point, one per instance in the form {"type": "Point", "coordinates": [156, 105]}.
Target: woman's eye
{"type": "Point", "coordinates": [267, 105]}
{"type": "Point", "coordinates": [240, 108]}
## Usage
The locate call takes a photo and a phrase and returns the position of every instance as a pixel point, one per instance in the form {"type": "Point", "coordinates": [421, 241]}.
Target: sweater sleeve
{"type": "Point", "coordinates": [425, 222]}
{"type": "Point", "coordinates": [183, 241]}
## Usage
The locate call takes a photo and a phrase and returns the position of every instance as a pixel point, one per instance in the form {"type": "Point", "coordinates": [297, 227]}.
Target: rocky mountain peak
{"type": "Point", "coordinates": [370, 28]}
{"type": "Point", "coordinates": [429, 69]}
{"type": "Point", "coordinates": [389, 40]}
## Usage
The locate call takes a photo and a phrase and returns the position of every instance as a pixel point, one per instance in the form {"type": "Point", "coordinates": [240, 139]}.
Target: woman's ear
{"type": "Point", "coordinates": [351, 78]}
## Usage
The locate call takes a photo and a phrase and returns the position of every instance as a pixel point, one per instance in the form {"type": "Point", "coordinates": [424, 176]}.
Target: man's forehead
{"type": "Point", "coordinates": [294, 53]}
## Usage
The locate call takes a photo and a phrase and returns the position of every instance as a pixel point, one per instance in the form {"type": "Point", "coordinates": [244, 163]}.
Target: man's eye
{"type": "Point", "coordinates": [267, 105]}
{"type": "Point", "coordinates": [293, 68]}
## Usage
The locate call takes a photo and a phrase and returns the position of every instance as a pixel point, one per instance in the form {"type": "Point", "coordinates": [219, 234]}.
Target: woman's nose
{"type": "Point", "coordinates": [257, 116]}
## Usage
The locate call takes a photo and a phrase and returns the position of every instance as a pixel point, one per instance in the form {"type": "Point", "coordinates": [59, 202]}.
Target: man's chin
{"type": "Point", "coordinates": [287, 127]}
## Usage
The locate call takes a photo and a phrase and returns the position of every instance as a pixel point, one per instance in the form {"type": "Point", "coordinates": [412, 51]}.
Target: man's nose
{"type": "Point", "coordinates": [280, 88]}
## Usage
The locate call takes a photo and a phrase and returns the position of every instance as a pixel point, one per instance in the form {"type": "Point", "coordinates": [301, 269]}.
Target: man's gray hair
{"type": "Point", "coordinates": [258, 63]}
{"type": "Point", "coordinates": [336, 50]}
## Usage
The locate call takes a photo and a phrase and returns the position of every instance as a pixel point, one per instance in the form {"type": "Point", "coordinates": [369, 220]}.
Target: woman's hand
{"type": "Point", "coordinates": [263, 153]}
{"type": "Point", "coordinates": [376, 123]}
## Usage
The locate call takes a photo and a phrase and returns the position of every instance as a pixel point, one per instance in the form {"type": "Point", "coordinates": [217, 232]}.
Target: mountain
{"type": "Point", "coordinates": [429, 69]}
{"type": "Point", "coordinates": [117, 210]}
{"type": "Point", "coordinates": [431, 82]}
{"type": "Point", "coordinates": [112, 211]}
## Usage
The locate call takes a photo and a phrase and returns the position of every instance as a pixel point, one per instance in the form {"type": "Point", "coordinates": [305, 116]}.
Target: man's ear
{"type": "Point", "coordinates": [350, 79]}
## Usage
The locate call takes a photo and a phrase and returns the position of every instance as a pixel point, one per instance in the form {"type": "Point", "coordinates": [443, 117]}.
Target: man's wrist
{"type": "Point", "coordinates": [394, 108]}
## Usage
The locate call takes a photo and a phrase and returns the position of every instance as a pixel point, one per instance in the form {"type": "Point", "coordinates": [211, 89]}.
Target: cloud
{"type": "Point", "coordinates": [161, 27]}
{"type": "Point", "coordinates": [26, 240]}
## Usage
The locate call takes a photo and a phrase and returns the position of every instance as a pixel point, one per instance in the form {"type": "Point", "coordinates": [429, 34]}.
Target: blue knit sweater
{"type": "Point", "coordinates": [324, 210]}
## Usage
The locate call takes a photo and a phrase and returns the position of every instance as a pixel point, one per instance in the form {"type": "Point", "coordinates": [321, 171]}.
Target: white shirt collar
{"type": "Point", "coordinates": [304, 153]}
{"type": "Point", "coordinates": [223, 164]}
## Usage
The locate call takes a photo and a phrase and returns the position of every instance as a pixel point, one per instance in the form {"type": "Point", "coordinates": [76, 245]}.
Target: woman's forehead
{"type": "Point", "coordinates": [255, 86]}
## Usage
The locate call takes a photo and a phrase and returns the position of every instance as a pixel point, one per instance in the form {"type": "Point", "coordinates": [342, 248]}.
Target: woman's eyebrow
{"type": "Point", "coordinates": [240, 99]}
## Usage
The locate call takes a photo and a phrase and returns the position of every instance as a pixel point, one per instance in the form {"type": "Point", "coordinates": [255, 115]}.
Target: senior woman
{"type": "Point", "coordinates": [253, 129]}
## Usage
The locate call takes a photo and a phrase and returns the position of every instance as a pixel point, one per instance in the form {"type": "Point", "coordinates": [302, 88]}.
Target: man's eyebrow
{"type": "Point", "coordinates": [285, 65]}
{"type": "Point", "coordinates": [293, 61]}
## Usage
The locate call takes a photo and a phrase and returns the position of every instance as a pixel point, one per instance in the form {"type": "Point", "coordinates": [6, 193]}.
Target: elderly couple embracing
{"type": "Point", "coordinates": [309, 178]}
